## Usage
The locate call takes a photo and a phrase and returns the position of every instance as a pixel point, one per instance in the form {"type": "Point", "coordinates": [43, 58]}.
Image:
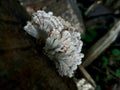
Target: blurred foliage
{"type": "Point", "coordinates": [105, 61]}
{"type": "Point", "coordinates": [106, 67]}
{"type": "Point", "coordinates": [116, 52]}
{"type": "Point", "coordinates": [89, 36]}
{"type": "Point", "coordinates": [117, 73]}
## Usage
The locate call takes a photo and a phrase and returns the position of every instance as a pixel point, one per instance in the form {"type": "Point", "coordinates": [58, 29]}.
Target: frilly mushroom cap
{"type": "Point", "coordinates": [62, 41]}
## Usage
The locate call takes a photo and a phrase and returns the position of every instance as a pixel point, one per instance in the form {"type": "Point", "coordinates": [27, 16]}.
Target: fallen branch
{"type": "Point", "coordinates": [102, 44]}
{"type": "Point", "coordinates": [87, 75]}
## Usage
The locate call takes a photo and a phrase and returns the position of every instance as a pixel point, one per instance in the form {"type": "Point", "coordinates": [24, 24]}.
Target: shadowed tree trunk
{"type": "Point", "coordinates": [22, 63]}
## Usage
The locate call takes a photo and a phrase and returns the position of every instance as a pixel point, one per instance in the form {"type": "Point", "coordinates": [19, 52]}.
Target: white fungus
{"type": "Point", "coordinates": [62, 41]}
{"type": "Point", "coordinates": [82, 84]}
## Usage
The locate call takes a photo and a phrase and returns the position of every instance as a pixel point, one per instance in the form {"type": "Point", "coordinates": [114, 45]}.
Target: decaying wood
{"type": "Point", "coordinates": [22, 64]}
{"type": "Point", "coordinates": [67, 9]}
{"type": "Point", "coordinates": [102, 44]}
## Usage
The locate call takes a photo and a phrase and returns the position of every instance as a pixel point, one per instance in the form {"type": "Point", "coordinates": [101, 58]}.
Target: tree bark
{"type": "Point", "coordinates": [67, 9]}
{"type": "Point", "coordinates": [22, 63]}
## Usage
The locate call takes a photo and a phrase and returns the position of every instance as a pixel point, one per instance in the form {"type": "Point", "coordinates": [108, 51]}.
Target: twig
{"type": "Point", "coordinates": [87, 75]}
{"type": "Point", "coordinates": [102, 44]}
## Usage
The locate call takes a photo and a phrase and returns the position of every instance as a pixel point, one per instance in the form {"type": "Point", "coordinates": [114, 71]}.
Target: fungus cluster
{"type": "Point", "coordinates": [62, 41]}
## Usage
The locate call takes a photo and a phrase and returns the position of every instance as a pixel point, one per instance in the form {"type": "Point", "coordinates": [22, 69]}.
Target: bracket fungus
{"type": "Point", "coordinates": [62, 41]}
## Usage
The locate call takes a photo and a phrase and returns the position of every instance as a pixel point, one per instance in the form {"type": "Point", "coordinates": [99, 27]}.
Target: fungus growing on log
{"type": "Point", "coordinates": [62, 41]}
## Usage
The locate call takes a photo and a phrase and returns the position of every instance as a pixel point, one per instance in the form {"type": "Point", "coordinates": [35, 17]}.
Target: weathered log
{"type": "Point", "coordinates": [22, 65]}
